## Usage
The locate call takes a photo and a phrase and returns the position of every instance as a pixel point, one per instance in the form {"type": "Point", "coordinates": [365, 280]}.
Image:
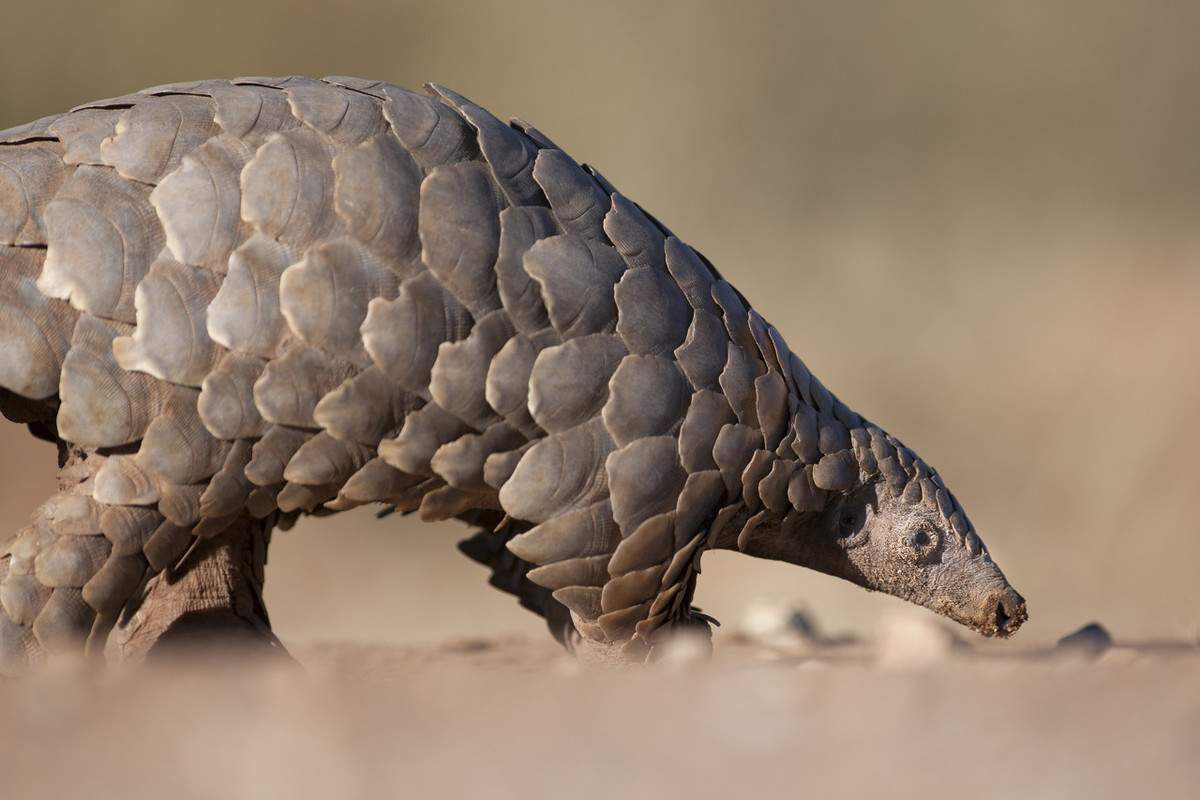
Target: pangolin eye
{"type": "Point", "coordinates": [924, 542]}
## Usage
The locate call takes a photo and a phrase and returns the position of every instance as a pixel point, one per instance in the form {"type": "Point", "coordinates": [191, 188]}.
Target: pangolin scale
{"type": "Point", "coordinates": [234, 302]}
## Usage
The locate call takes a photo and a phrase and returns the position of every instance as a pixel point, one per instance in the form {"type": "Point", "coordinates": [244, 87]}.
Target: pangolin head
{"type": "Point", "coordinates": [899, 530]}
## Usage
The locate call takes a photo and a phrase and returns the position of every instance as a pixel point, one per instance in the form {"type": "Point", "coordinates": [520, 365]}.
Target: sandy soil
{"type": "Point", "coordinates": [913, 715]}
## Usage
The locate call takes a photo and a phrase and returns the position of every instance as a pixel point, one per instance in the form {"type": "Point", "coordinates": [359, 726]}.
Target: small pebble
{"type": "Point", "coordinates": [1091, 640]}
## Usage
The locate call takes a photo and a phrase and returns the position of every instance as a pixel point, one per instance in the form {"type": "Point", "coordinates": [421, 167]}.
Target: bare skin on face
{"type": "Point", "coordinates": [907, 549]}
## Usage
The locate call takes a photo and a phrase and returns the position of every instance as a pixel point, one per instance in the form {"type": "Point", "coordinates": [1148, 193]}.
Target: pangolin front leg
{"type": "Point", "coordinates": [123, 581]}
{"type": "Point", "coordinates": [210, 599]}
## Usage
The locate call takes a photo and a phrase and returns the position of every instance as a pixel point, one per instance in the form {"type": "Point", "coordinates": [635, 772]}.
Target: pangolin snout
{"type": "Point", "coordinates": [1003, 612]}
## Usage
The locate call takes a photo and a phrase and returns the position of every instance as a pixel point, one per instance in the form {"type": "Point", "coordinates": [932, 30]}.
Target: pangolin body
{"type": "Point", "coordinates": [265, 297]}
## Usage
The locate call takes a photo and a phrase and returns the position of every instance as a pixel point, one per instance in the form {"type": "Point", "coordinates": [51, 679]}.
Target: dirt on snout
{"type": "Point", "coordinates": [511, 718]}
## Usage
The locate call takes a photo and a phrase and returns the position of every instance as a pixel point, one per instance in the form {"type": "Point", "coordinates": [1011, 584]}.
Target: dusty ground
{"type": "Point", "coordinates": [771, 715]}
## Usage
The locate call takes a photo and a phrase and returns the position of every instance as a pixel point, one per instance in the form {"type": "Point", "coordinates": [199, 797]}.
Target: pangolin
{"type": "Point", "coordinates": [231, 303]}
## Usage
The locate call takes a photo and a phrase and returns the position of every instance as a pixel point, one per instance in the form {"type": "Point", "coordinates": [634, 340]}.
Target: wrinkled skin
{"type": "Point", "coordinates": [881, 543]}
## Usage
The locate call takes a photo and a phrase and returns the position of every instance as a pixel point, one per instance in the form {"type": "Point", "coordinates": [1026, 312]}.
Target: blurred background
{"type": "Point", "coordinates": [975, 221]}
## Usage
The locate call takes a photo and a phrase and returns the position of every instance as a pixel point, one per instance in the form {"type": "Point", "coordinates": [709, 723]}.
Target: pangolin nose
{"type": "Point", "coordinates": [1007, 611]}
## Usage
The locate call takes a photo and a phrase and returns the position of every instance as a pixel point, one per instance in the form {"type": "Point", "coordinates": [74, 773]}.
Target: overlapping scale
{"type": "Point", "coordinates": [102, 236]}
{"type": "Point", "coordinates": [199, 203]}
{"type": "Point", "coordinates": [171, 339]}
{"type": "Point", "coordinates": [36, 330]}
{"type": "Point", "coordinates": [30, 175]}
{"type": "Point", "coordinates": [151, 138]}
